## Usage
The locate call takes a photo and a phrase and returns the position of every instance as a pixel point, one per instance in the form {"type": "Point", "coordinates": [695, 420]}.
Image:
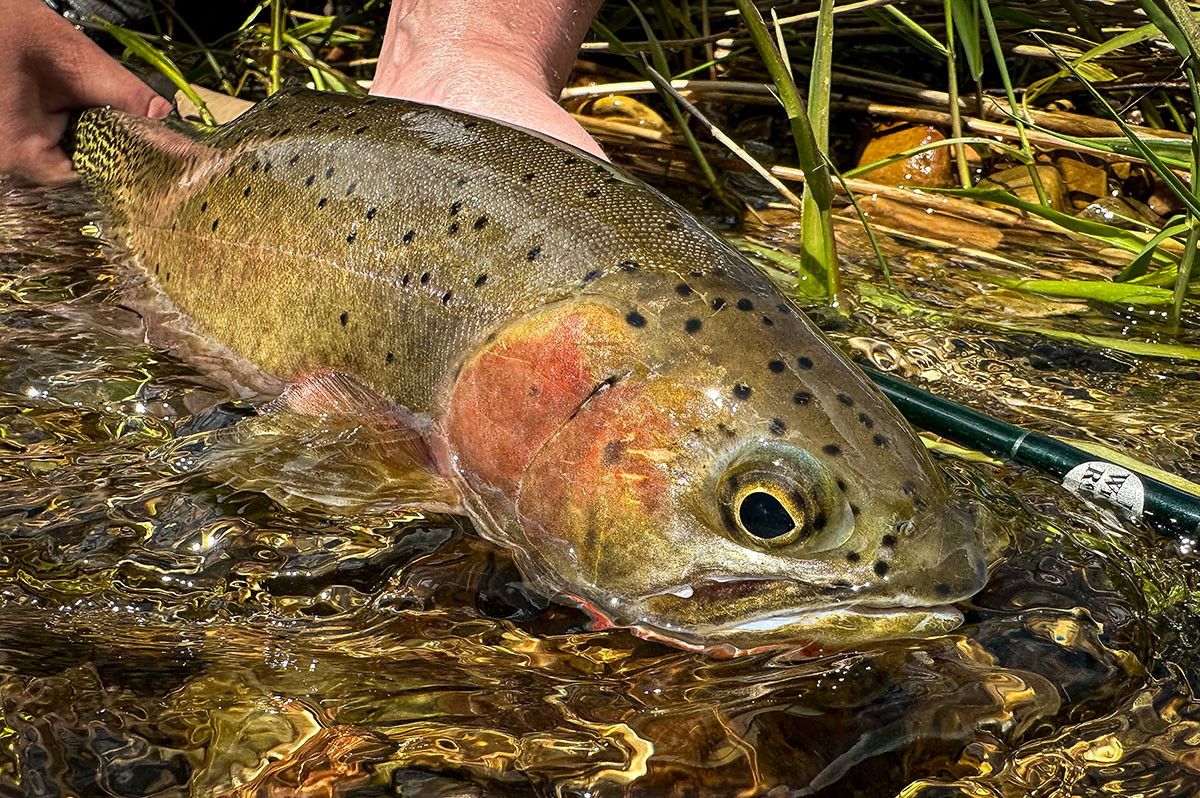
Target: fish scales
{"type": "Point", "coordinates": [392, 243]}
{"type": "Point", "coordinates": [606, 377]}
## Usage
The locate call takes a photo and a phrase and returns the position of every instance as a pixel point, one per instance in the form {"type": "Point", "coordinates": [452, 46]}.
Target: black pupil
{"type": "Point", "coordinates": [762, 515]}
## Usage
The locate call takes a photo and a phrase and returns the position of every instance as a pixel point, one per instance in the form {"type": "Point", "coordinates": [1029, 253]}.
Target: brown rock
{"type": "Point", "coordinates": [1017, 180]}
{"type": "Point", "coordinates": [929, 168]}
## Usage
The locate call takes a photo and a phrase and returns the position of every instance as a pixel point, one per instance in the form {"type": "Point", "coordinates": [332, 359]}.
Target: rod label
{"type": "Point", "coordinates": [1109, 483]}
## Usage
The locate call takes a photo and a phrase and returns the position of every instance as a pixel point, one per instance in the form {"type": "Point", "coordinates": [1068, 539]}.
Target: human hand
{"type": "Point", "coordinates": [51, 69]}
{"type": "Point", "coordinates": [499, 60]}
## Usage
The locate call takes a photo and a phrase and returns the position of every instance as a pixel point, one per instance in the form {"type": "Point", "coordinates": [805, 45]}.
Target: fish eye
{"type": "Point", "coordinates": [764, 507]}
{"type": "Point", "coordinates": [764, 516]}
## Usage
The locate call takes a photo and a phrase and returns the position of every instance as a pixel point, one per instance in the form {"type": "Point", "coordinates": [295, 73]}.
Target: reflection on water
{"type": "Point", "coordinates": [164, 633]}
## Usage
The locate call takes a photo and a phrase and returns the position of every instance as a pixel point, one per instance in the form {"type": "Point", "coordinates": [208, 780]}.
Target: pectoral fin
{"type": "Point", "coordinates": [326, 443]}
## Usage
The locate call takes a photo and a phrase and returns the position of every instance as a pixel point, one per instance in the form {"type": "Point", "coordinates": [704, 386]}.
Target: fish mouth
{"type": "Point", "coordinates": [734, 616]}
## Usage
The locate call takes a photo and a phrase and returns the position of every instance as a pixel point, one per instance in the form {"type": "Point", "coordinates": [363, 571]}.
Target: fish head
{"type": "Point", "coordinates": [713, 474]}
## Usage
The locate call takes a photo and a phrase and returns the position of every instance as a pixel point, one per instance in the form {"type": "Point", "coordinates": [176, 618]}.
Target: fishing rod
{"type": "Point", "coordinates": [1176, 513]}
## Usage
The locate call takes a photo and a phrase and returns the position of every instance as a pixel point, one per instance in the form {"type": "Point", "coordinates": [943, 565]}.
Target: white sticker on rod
{"type": "Point", "coordinates": [1108, 483]}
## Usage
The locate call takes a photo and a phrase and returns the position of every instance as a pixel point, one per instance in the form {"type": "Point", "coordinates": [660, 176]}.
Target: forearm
{"type": "Point", "coordinates": [504, 60]}
{"type": "Point", "coordinates": [537, 40]}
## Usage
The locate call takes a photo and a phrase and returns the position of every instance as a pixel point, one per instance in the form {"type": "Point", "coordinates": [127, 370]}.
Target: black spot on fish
{"type": "Point", "coordinates": [767, 320]}
{"type": "Point", "coordinates": [232, 169]}
{"type": "Point", "coordinates": [745, 304]}
{"type": "Point", "coordinates": [784, 309]}
{"type": "Point", "coordinates": [804, 362]}
{"type": "Point", "coordinates": [481, 223]}
{"type": "Point", "coordinates": [404, 280]}
{"type": "Point", "coordinates": [570, 159]}
{"type": "Point", "coordinates": [350, 189]}
{"type": "Point", "coordinates": [329, 173]}
{"type": "Point", "coordinates": [469, 124]}
{"type": "Point", "coordinates": [819, 521]}
{"type": "Point", "coordinates": [741, 391]}
{"type": "Point", "coordinates": [942, 589]}
{"type": "Point", "coordinates": [344, 318]}
{"type": "Point", "coordinates": [635, 319]}
{"type": "Point", "coordinates": [841, 484]}
{"type": "Point", "coordinates": [480, 280]}
{"type": "Point", "coordinates": [527, 177]}
{"type": "Point", "coordinates": [455, 207]}
{"type": "Point", "coordinates": [672, 226]}
{"type": "Point", "coordinates": [389, 358]}
{"type": "Point", "coordinates": [358, 131]}
{"type": "Point", "coordinates": [718, 303]}
{"type": "Point", "coordinates": [424, 278]}
{"type": "Point", "coordinates": [409, 236]}
{"type": "Point", "coordinates": [254, 166]}
{"type": "Point", "coordinates": [371, 101]}
{"type": "Point", "coordinates": [349, 114]}
{"type": "Point", "coordinates": [832, 449]}
{"type": "Point", "coordinates": [776, 366]}
{"type": "Point", "coordinates": [880, 440]}
{"type": "Point", "coordinates": [203, 206]}
{"type": "Point", "coordinates": [866, 420]}
{"type": "Point", "coordinates": [881, 568]}
{"type": "Point", "coordinates": [777, 427]}
{"type": "Point", "coordinates": [852, 556]}
{"type": "Point", "coordinates": [323, 109]}
{"type": "Point", "coordinates": [592, 275]}
{"type": "Point", "coordinates": [321, 203]}
{"type": "Point", "coordinates": [718, 271]}
{"type": "Point", "coordinates": [214, 225]}
{"type": "Point", "coordinates": [600, 170]}
{"type": "Point", "coordinates": [246, 191]}
{"type": "Point", "coordinates": [692, 326]}
{"type": "Point", "coordinates": [453, 228]}
{"type": "Point", "coordinates": [592, 193]}
{"type": "Point", "coordinates": [802, 398]}
{"type": "Point", "coordinates": [629, 265]}
{"type": "Point", "coordinates": [909, 488]}
{"type": "Point", "coordinates": [335, 128]}
{"type": "Point", "coordinates": [446, 297]}
{"type": "Point", "coordinates": [888, 541]}
{"type": "Point", "coordinates": [854, 510]}
{"type": "Point", "coordinates": [294, 160]}
{"type": "Point", "coordinates": [308, 181]}
{"type": "Point", "coordinates": [683, 289]}
{"type": "Point", "coordinates": [845, 399]}
{"type": "Point", "coordinates": [370, 214]}
{"type": "Point", "coordinates": [266, 167]}
{"type": "Point", "coordinates": [462, 181]}
{"type": "Point", "coordinates": [532, 254]}
{"type": "Point", "coordinates": [350, 239]}
{"type": "Point", "coordinates": [313, 123]}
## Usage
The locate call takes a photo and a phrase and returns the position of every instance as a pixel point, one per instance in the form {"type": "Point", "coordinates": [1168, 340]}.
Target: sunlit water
{"type": "Point", "coordinates": [164, 633]}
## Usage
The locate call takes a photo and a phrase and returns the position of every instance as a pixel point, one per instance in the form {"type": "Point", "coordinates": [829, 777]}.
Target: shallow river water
{"type": "Point", "coordinates": [165, 633]}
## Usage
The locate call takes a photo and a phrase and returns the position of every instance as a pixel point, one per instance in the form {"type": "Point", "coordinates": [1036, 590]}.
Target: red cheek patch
{"type": "Point", "coordinates": [516, 393]}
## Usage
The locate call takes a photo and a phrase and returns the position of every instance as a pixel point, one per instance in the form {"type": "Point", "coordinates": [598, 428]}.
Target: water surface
{"type": "Point", "coordinates": [165, 632]}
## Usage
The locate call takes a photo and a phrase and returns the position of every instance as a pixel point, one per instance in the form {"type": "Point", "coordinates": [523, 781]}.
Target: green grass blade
{"type": "Point", "coordinates": [1139, 266]}
{"type": "Point", "coordinates": [1098, 290]}
{"type": "Point", "coordinates": [818, 247]}
{"type": "Point", "coordinates": [1011, 152]}
{"type": "Point", "coordinates": [1114, 236]}
{"type": "Point", "coordinates": [163, 63]}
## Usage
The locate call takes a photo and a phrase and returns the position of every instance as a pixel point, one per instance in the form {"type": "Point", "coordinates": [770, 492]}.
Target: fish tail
{"type": "Point", "coordinates": [114, 152]}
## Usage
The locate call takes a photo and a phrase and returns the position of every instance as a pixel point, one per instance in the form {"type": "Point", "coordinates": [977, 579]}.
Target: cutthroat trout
{"type": "Point", "coordinates": [603, 385]}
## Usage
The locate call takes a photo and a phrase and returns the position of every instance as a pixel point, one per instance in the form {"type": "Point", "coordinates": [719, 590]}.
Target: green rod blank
{"type": "Point", "coordinates": [1174, 512]}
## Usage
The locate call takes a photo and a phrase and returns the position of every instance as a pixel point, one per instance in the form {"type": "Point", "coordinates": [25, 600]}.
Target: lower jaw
{"type": "Point", "coordinates": [811, 633]}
